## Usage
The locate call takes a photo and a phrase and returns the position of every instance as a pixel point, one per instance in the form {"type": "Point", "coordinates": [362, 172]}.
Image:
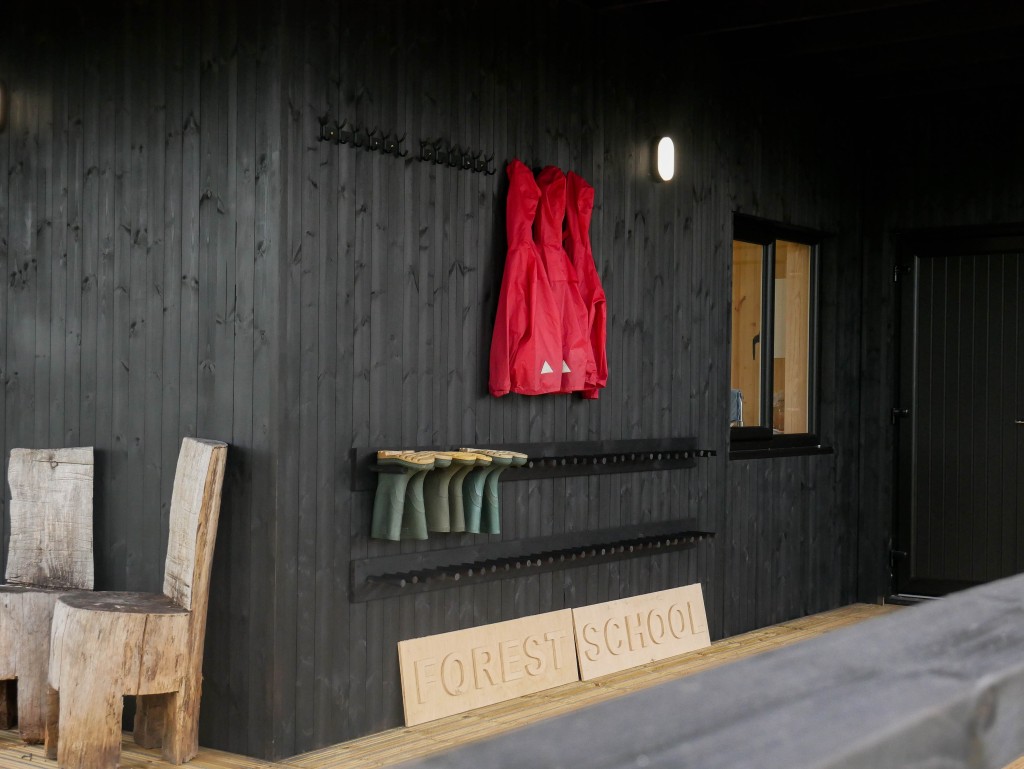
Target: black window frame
{"type": "Point", "coordinates": [753, 442]}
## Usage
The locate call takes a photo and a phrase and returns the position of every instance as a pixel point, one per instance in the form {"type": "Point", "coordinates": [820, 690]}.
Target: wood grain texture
{"type": "Point", "coordinates": [406, 743]}
{"type": "Point", "coordinates": [195, 508]}
{"type": "Point", "coordinates": [51, 518]}
{"type": "Point", "coordinates": [458, 671]}
{"type": "Point", "coordinates": [50, 550]}
{"type": "Point", "coordinates": [238, 279]}
{"type": "Point", "coordinates": [148, 645]}
{"type": "Point", "coordinates": [980, 185]}
{"type": "Point", "coordinates": [873, 700]}
{"type": "Point", "coordinates": [25, 615]}
{"type": "Point", "coordinates": [629, 632]}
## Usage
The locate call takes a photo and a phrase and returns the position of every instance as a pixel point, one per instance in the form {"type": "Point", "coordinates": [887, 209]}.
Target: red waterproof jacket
{"type": "Point", "coordinates": [526, 348]}
{"type": "Point", "coordinates": [578, 212]}
{"type": "Point", "coordinates": [577, 359]}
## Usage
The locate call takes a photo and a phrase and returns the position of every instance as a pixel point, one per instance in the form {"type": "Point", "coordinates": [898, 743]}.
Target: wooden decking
{"type": "Point", "coordinates": [413, 742]}
{"type": "Point", "coordinates": [401, 744]}
{"type": "Point", "coordinates": [16, 755]}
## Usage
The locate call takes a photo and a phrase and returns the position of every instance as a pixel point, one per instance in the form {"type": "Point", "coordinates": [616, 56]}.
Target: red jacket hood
{"type": "Point", "coordinates": [582, 194]}
{"type": "Point", "coordinates": [547, 228]}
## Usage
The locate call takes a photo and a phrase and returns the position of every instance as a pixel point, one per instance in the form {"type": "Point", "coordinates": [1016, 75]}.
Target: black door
{"type": "Point", "coordinates": [960, 412]}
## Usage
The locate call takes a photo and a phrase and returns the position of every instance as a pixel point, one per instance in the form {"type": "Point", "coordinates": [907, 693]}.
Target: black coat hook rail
{"type": "Point", "coordinates": [371, 140]}
{"type": "Point", "coordinates": [443, 152]}
{"type": "Point", "coordinates": [389, 576]}
{"type": "Point", "coordinates": [557, 459]}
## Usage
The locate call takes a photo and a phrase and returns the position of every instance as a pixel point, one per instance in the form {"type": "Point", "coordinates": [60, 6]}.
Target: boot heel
{"type": "Point", "coordinates": [436, 495]}
{"type": "Point", "coordinates": [473, 492]}
{"type": "Point", "coordinates": [414, 517]}
{"type": "Point", "coordinates": [389, 500]}
{"type": "Point", "coordinates": [491, 517]}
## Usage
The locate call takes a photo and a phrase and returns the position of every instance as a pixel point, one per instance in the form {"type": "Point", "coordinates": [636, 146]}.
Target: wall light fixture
{"type": "Point", "coordinates": [663, 159]}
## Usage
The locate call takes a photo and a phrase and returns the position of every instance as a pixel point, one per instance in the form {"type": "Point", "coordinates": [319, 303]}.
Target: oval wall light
{"type": "Point", "coordinates": [664, 159]}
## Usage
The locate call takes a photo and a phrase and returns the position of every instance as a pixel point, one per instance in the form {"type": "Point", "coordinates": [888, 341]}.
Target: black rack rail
{"type": "Point", "coordinates": [559, 459]}
{"type": "Point", "coordinates": [404, 574]}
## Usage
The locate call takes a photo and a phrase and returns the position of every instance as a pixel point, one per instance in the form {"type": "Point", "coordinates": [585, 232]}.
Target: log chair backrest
{"type": "Point", "coordinates": [195, 509]}
{"type": "Point", "coordinates": [51, 518]}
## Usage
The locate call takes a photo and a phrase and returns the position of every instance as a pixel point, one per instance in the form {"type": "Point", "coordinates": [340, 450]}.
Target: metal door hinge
{"type": "Point", "coordinates": [899, 414]}
{"type": "Point", "coordinates": [894, 555]}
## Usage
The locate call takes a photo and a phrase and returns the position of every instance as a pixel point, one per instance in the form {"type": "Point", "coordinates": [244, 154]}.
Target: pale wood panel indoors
{"type": "Point", "coordinates": [746, 325]}
{"type": "Point", "coordinates": [793, 265]}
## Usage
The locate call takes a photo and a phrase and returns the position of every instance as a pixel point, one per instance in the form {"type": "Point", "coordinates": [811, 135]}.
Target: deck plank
{"type": "Point", "coordinates": [405, 743]}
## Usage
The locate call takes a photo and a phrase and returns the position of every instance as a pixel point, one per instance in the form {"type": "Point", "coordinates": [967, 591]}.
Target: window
{"type": "Point", "coordinates": [773, 377]}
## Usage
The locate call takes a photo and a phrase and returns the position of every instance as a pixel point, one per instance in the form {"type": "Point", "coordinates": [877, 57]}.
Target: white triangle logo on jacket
{"type": "Point", "coordinates": [565, 368]}
{"type": "Point", "coordinates": [546, 368]}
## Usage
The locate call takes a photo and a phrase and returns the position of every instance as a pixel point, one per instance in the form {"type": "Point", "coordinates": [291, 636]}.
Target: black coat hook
{"type": "Point", "coordinates": [392, 146]}
{"type": "Point", "coordinates": [328, 129]}
{"type": "Point", "coordinates": [373, 140]}
{"type": "Point", "coordinates": [427, 151]}
{"type": "Point", "coordinates": [441, 152]}
{"type": "Point", "coordinates": [345, 135]}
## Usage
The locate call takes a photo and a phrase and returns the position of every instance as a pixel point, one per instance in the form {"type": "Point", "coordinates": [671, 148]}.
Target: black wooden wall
{"type": "Point", "coordinates": [140, 232]}
{"type": "Point", "coordinates": [184, 257]}
{"type": "Point", "coordinates": [942, 162]}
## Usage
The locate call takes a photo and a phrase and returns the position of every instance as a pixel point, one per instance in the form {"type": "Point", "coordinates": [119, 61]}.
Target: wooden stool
{"type": "Point", "coordinates": [50, 553]}
{"type": "Point", "coordinates": [108, 644]}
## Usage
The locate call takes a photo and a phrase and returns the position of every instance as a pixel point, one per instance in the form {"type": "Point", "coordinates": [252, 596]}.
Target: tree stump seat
{"type": "Point", "coordinates": [104, 645]}
{"type": "Point", "coordinates": [50, 554]}
{"type": "Point", "coordinates": [123, 602]}
{"type": "Point", "coordinates": [24, 655]}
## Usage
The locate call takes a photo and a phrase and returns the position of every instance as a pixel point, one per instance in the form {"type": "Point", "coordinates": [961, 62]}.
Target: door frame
{"type": "Point", "coordinates": [911, 245]}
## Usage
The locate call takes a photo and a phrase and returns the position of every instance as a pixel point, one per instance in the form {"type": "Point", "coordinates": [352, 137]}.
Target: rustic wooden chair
{"type": "Point", "coordinates": [50, 553]}
{"type": "Point", "coordinates": [108, 644]}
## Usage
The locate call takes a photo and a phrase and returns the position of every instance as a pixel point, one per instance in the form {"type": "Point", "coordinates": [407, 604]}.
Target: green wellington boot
{"type": "Point", "coordinates": [471, 490]}
{"type": "Point", "coordinates": [435, 489]}
{"type": "Point", "coordinates": [491, 520]}
{"type": "Point", "coordinates": [456, 507]}
{"type": "Point", "coordinates": [389, 502]}
{"type": "Point", "coordinates": [414, 516]}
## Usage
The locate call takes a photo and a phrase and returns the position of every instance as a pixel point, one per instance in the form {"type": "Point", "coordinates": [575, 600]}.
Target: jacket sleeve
{"type": "Point", "coordinates": [598, 342]}
{"type": "Point", "coordinates": [510, 324]}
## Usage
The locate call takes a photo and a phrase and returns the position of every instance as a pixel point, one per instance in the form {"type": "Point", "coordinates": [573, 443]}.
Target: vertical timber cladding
{"type": "Point", "coordinates": [182, 257]}
{"type": "Point", "coordinates": [139, 211]}
{"type": "Point", "coordinates": [454, 672]}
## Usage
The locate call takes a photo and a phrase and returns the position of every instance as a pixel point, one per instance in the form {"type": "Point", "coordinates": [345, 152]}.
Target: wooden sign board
{"type": "Point", "coordinates": [454, 672]}
{"type": "Point", "coordinates": [622, 634]}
